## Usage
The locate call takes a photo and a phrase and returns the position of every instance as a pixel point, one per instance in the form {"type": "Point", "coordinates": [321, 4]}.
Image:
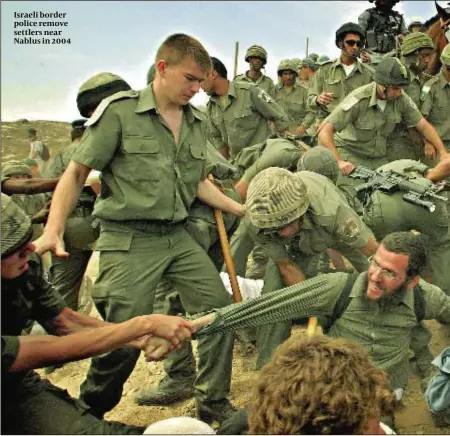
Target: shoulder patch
{"type": "Point", "coordinates": [106, 102]}
{"type": "Point", "coordinates": [349, 231]}
{"type": "Point", "coordinates": [424, 92]}
{"type": "Point", "coordinates": [262, 95]}
{"type": "Point", "coordinates": [349, 102]}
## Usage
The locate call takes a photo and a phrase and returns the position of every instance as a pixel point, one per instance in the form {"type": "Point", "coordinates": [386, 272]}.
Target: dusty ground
{"type": "Point", "coordinates": [412, 418]}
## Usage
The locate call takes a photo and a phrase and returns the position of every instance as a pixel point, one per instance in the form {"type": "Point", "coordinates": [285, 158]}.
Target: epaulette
{"type": "Point", "coordinates": [349, 102]}
{"type": "Point", "coordinates": [106, 102]}
{"type": "Point", "coordinates": [244, 85]}
{"type": "Point", "coordinates": [427, 86]}
{"type": "Point", "coordinates": [329, 61]}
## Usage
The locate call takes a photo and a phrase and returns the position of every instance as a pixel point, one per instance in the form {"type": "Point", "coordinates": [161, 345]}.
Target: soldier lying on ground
{"type": "Point", "coordinates": [34, 405]}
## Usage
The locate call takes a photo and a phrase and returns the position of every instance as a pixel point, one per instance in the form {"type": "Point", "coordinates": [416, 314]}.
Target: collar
{"type": "Point", "coordinates": [295, 86]}
{"type": "Point", "coordinates": [257, 81]}
{"type": "Point", "coordinates": [358, 64]}
{"type": "Point", "coordinates": [442, 80]}
{"type": "Point", "coordinates": [373, 96]}
{"type": "Point", "coordinates": [403, 296]}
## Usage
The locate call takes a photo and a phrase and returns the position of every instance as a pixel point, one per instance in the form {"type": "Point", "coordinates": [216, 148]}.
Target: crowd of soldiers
{"type": "Point", "coordinates": [141, 181]}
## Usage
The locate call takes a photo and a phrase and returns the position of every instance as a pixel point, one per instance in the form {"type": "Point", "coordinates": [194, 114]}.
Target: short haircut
{"type": "Point", "coordinates": [320, 385]}
{"type": "Point", "coordinates": [219, 67]}
{"type": "Point", "coordinates": [410, 244]}
{"type": "Point", "coordinates": [177, 46]}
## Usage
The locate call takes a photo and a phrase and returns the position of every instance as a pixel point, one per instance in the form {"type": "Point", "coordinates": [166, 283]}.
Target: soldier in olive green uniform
{"type": "Point", "coordinates": [435, 101]}
{"type": "Point", "coordinates": [306, 72]}
{"type": "Point", "coordinates": [296, 217]}
{"type": "Point", "coordinates": [256, 56]}
{"type": "Point", "coordinates": [239, 112]}
{"type": "Point", "coordinates": [405, 143]}
{"type": "Point", "coordinates": [335, 79]}
{"type": "Point", "coordinates": [32, 204]}
{"type": "Point", "coordinates": [291, 96]}
{"type": "Point", "coordinates": [367, 117]}
{"type": "Point", "coordinates": [152, 158]}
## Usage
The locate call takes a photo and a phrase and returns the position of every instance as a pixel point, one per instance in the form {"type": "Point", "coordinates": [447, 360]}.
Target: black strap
{"type": "Point", "coordinates": [419, 304]}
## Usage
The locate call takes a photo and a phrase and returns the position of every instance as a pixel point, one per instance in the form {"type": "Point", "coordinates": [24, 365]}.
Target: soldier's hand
{"type": "Point", "coordinates": [300, 130]}
{"type": "Point", "coordinates": [241, 188]}
{"type": "Point", "coordinates": [429, 150]}
{"type": "Point", "coordinates": [173, 328]}
{"type": "Point", "coordinates": [157, 348]}
{"type": "Point", "coordinates": [365, 57]}
{"type": "Point", "coordinates": [345, 167]}
{"type": "Point", "coordinates": [51, 242]}
{"type": "Point", "coordinates": [325, 98]}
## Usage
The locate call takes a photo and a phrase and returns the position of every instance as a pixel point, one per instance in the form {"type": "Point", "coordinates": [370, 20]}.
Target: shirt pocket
{"type": "Point", "coordinates": [141, 158]}
{"type": "Point", "coordinates": [334, 86]}
{"type": "Point", "coordinates": [245, 119]}
{"type": "Point", "coordinates": [365, 128]}
{"type": "Point", "coordinates": [439, 112]}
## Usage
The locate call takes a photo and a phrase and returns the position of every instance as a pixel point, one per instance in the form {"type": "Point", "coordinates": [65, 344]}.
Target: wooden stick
{"type": "Point", "coordinates": [227, 252]}
{"type": "Point", "coordinates": [312, 326]}
{"type": "Point", "coordinates": [236, 57]}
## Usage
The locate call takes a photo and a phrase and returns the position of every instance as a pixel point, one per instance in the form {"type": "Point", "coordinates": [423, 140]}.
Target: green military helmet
{"type": "Point", "coordinates": [151, 74]}
{"type": "Point", "coordinates": [391, 72]}
{"type": "Point", "coordinates": [349, 28]}
{"type": "Point", "coordinates": [16, 227]}
{"type": "Point", "coordinates": [256, 51]}
{"type": "Point", "coordinates": [416, 41]}
{"type": "Point", "coordinates": [98, 87]}
{"type": "Point", "coordinates": [322, 59]}
{"type": "Point", "coordinates": [308, 62]}
{"type": "Point", "coordinates": [313, 56]}
{"type": "Point", "coordinates": [320, 160]}
{"type": "Point", "coordinates": [276, 198]}
{"type": "Point", "coordinates": [16, 168]}
{"type": "Point", "coordinates": [297, 63]}
{"type": "Point", "coordinates": [415, 21]}
{"type": "Point", "coordinates": [445, 55]}
{"type": "Point", "coordinates": [286, 65]}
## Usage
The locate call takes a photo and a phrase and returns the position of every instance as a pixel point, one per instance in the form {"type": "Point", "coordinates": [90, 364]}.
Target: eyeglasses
{"type": "Point", "coordinates": [353, 42]}
{"type": "Point", "coordinates": [391, 275]}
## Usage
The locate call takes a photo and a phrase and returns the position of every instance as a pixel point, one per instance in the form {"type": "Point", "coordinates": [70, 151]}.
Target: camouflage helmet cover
{"type": "Point", "coordinates": [349, 28]}
{"type": "Point", "coordinates": [313, 56]}
{"type": "Point", "coordinates": [416, 41]}
{"type": "Point", "coordinates": [16, 227]}
{"type": "Point", "coordinates": [276, 198]}
{"type": "Point", "coordinates": [256, 51]}
{"type": "Point", "coordinates": [287, 65]}
{"type": "Point", "coordinates": [445, 55]}
{"type": "Point", "coordinates": [16, 168]}
{"type": "Point", "coordinates": [391, 72]}
{"type": "Point", "coordinates": [320, 160]}
{"type": "Point", "coordinates": [95, 89]}
{"type": "Point", "coordinates": [308, 62]}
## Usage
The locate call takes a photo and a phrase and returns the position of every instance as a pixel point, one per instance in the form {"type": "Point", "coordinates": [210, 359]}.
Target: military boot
{"type": "Point", "coordinates": [213, 411]}
{"type": "Point", "coordinates": [169, 391]}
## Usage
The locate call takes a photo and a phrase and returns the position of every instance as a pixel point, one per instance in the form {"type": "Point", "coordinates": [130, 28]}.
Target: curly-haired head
{"type": "Point", "coordinates": [319, 386]}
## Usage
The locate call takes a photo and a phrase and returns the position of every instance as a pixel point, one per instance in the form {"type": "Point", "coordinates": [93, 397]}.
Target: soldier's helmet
{"type": "Point", "coordinates": [16, 168]}
{"type": "Point", "coordinates": [297, 63]}
{"type": "Point", "coordinates": [322, 59]}
{"type": "Point", "coordinates": [95, 89]}
{"type": "Point", "coordinates": [416, 41]}
{"type": "Point", "coordinates": [391, 72]}
{"type": "Point", "coordinates": [287, 65]}
{"type": "Point", "coordinates": [16, 227]}
{"type": "Point", "coordinates": [256, 51]}
{"type": "Point", "coordinates": [319, 160]}
{"type": "Point", "coordinates": [349, 28]}
{"type": "Point", "coordinates": [415, 22]}
{"type": "Point", "coordinates": [445, 55]}
{"type": "Point", "coordinates": [313, 56]}
{"type": "Point", "coordinates": [308, 62]}
{"type": "Point", "coordinates": [276, 198]}
{"type": "Point", "coordinates": [151, 74]}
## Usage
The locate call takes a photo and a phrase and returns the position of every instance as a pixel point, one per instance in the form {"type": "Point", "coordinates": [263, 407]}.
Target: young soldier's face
{"type": "Point", "coordinates": [16, 264]}
{"type": "Point", "coordinates": [288, 78]}
{"type": "Point", "coordinates": [255, 63]}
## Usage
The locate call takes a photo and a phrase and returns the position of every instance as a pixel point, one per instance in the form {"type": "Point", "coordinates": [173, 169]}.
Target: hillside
{"type": "Point", "coordinates": [15, 144]}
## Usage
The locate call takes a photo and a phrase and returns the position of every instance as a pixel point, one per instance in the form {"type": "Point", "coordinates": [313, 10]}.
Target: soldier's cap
{"type": "Point", "coordinates": [445, 55]}
{"type": "Point", "coordinates": [287, 65]}
{"type": "Point", "coordinates": [416, 41]}
{"type": "Point", "coordinates": [320, 160]}
{"type": "Point", "coordinates": [308, 62]}
{"type": "Point", "coordinates": [16, 227]}
{"type": "Point", "coordinates": [256, 51]}
{"type": "Point", "coordinates": [16, 168]}
{"type": "Point", "coordinates": [323, 58]}
{"type": "Point", "coordinates": [313, 56]}
{"type": "Point", "coordinates": [95, 89]}
{"type": "Point", "coordinates": [349, 28]}
{"type": "Point", "coordinates": [79, 123]}
{"type": "Point", "coordinates": [151, 73]}
{"type": "Point", "coordinates": [276, 198]}
{"type": "Point", "coordinates": [30, 162]}
{"type": "Point", "coordinates": [392, 72]}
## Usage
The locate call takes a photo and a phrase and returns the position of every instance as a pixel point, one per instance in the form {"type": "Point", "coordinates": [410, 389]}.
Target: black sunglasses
{"type": "Point", "coordinates": [353, 42]}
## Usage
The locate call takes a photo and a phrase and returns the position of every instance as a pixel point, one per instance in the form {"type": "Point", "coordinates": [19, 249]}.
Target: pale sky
{"type": "Point", "coordinates": [39, 82]}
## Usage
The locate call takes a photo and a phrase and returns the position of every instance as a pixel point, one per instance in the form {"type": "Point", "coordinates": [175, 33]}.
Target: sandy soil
{"type": "Point", "coordinates": [412, 417]}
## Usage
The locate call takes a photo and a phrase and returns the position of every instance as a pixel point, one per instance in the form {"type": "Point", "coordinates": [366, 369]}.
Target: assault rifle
{"type": "Point", "coordinates": [389, 181]}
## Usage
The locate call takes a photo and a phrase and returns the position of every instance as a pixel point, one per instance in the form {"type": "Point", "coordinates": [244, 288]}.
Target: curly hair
{"type": "Point", "coordinates": [320, 385]}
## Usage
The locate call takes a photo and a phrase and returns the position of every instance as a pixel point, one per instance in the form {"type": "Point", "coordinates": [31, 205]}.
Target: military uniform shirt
{"type": "Point", "coordinates": [328, 222]}
{"type": "Point", "coordinates": [145, 174]}
{"type": "Point", "coordinates": [293, 101]}
{"type": "Point", "coordinates": [28, 297]}
{"type": "Point", "coordinates": [435, 105]}
{"type": "Point", "coordinates": [244, 121]}
{"type": "Point", "coordinates": [264, 82]}
{"type": "Point", "coordinates": [363, 128]}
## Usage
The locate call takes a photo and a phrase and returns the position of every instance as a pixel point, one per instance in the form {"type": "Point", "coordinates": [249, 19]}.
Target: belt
{"type": "Point", "coordinates": [146, 226]}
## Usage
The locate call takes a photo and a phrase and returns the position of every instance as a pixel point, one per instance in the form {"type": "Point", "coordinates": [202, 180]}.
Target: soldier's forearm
{"type": "Point", "coordinates": [430, 134]}
{"type": "Point", "coordinates": [326, 132]}
{"type": "Point", "coordinates": [29, 186]}
{"type": "Point", "coordinates": [290, 273]}
{"type": "Point", "coordinates": [441, 171]}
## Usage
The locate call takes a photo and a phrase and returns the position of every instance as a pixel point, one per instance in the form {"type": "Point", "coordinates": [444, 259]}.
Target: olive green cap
{"type": "Point", "coordinates": [151, 74]}
{"type": "Point", "coordinates": [98, 87]}
{"type": "Point", "coordinates": [308, 62]}
{"type": "Point", "coordinates": [15, 168]}
{"type": "Point", "coordinates": [16, 227]}
{"type": "Point", "coordinates": [256, 51]}
{"type": "Point", "coordinates": [297, 62]}
{"type": "Point", "coordinates": [286, 65]}
{"type": "Point", "coordinates": [416, 41]}
{"type": "Point", "coordinates": [391, 72]}
{"type": "Point", "coordinates": [313, 56]}
{"type": "Point", "coordinates": [319, 160]}
{"type": "Point", "coordinates": [322, 59]}
{"type": "Point", "coordinates": [276, 198]}
{"type": "Point", "coordinates": [445, 55]}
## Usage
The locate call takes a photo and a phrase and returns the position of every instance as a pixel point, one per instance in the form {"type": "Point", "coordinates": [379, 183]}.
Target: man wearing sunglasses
{"type": "Point", "coordinates": [435, 100]}
{"type": "Point", "coordinates": [335, 79]}
{"type": "Point", "coordinates": [295, 218]}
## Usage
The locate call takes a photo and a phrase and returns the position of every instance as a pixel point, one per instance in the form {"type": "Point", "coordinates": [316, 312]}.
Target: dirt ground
{"type": "Point", "coordinates": [412, 417]}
